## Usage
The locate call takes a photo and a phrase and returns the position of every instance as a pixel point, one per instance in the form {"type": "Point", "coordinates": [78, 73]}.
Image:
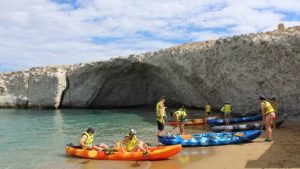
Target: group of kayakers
{"type": "Point", "coordinates": [181, 115]}
{"type": "Point", "coordinates": [268, 110]}
{"type": "Point", "coordinates": [132, 143]}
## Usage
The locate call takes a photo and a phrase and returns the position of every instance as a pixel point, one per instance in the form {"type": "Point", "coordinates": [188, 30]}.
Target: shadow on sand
{"type": "Point", "coordinates": [283, 151]}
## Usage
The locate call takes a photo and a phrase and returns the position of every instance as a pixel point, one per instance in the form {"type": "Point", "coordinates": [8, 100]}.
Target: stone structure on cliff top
{"type": "Point", "coordinates": [236, 69]}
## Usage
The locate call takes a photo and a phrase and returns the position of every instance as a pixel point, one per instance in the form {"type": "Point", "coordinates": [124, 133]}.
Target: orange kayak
{"type": "Point", "coordinates": [154, 153]}
{"type": "Point", "coordinates": [189, 122]}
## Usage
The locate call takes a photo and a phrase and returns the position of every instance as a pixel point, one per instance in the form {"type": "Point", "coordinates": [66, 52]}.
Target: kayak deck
{"type": "Point", "coordinates": [154, 153]}
{"type": "Point", "coordinates": [211, 139]}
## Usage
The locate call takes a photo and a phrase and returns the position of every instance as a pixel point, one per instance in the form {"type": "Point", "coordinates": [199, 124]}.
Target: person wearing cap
{"type": "Point", "coordinates": [132, 143]}
{"type": "Point", "coordinates": [274, 105]}
{"type": "Point", "coordinates": [181, 118]}
{"type": "Point", "coordinates": [160, 115]}
{"type": "Point", "coordinates": [268, 114]}
{"type": "Point", "coordinates": [226, 109]}
{"type": "Point", "coordinates": [87, 141]}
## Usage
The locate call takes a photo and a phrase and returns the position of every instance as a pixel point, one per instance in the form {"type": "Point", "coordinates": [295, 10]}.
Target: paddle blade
{"type": "Point", "coordinates": [186, 136]}
{"type": "Point", "coordinates": [239, 134]}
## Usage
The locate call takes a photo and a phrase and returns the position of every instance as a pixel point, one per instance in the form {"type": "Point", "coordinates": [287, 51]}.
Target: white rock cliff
{"type": "Point", "coordinates": [236, 69]}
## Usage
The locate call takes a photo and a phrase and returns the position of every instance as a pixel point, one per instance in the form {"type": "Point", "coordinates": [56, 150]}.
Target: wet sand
{"type": "Point", "coordinates": [283, 152]}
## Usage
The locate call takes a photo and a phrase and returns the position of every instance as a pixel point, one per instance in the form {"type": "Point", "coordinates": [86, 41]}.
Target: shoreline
{"type": "Point", "coordinates": [281, 153]}
{"type": "Point", "coordinates": [62, 127]}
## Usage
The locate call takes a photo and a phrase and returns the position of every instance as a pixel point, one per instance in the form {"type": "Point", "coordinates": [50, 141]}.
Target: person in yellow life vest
{"type": "Point", "coordinates": [268, 114]}
{"type": "Point", "coordinates": [87, 141]}
{"type": "Point", "coordinates": [274, 105]}
{"type": "Point", "coordinates": [207, 110]}
{"type": "Point", "coordinates": [161, 115]}
{"type": "Point", "coordinates": [226, 109]}
{"type": "Point", "coordinates": [132, 143]}
{"type": "Point", "coordinates": [181, 118]}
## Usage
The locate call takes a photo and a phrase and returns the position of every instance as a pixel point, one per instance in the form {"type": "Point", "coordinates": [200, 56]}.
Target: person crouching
{"type": "Point", "coordinates": [181, 118]}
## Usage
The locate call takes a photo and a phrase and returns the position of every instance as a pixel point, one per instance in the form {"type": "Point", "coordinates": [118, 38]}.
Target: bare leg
{"type": "Point", "coordinates": [140, 146]}
{"type": "Point", "coordinates": [274, 124]}
{"type": "Point", "coordinates": [97, 148]}
{"type": "Point", "coordinates": [269, 126]}
{"type": "Point", "coordinates": [181, 127]}
{"type": "Point", "coordinates": [226, 119]}
{"type": "Point", "coordinates": [102, 145]}
{"type": "Point", "coordinates": [160, 133]}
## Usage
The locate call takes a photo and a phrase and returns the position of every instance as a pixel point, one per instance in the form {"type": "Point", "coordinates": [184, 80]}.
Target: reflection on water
{"type": "Point", "coordinates": [189, 155]}
{"type": "Point", "coordinates": [36, 138]}
{"type": "Point", "coordinates": [184, 159]}
{"type": "Point", "coordinates": [58, 121]}
{"type": "Point", "coordinates": [194, 151]}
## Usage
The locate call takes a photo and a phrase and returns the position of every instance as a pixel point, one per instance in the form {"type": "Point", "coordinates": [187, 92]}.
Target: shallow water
{"type": "Point", "coordinates": [36, 139]}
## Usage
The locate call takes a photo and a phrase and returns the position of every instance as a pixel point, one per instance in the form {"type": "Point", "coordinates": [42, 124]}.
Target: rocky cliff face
{"type": "Point", "coordinates": [236, 69]}
{"type": "Point", "coordinates": [36, 88]}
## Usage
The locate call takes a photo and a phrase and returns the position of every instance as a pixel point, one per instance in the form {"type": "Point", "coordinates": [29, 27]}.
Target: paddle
{"type": "Point", "coordinates": [239, 134]}
{"type": "Point", "coordinates": [110, 150]}
{"type": "Point", "coordinates": [186, 136]}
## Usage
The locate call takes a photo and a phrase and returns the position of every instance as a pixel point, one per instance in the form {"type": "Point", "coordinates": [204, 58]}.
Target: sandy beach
{"type": "Point", "coordinates": [283, 152]}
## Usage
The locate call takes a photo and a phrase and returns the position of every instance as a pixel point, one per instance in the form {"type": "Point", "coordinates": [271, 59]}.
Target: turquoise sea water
{"type": "Point", "coordinates": [36, 138]}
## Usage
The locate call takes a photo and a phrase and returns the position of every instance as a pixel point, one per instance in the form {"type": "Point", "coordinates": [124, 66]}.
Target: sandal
{"type": "Point", "coordinates": [267, 140]}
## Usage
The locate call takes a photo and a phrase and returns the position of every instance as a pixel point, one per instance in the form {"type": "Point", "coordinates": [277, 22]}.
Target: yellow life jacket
{"type": "Point", "coordinates": [182, 114]}
{"type": "Point", "coordinates": [158, 111]}
{"type": "Point", "coordinates": [227, 108]}
{"type": "Point", "coordinates": [274, 105]}
{"type": "Point", "coordinates": [207, 108]}
{"type": "Point", "coordinates": [267, 108]}
{"type": "Point", "coordinates": [130, 144]}
{"type": "Point", "coordinates": [89, 140]}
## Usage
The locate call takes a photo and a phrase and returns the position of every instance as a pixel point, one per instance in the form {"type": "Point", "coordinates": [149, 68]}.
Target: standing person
{"type": "Point", "coordinates": [274, 105]}
{"type": "Point", "coordinates": [226, 109]}
{"type": "Point", "coordinates": [87, 141]}
{"type": "Point", "coordinates": [207, 109]}
{"type": "Point", "coordinates": [181, 118]}
{"type": "Point", "coordinates": [160, 115]}
{"type": "Point", "coordinates": [268, 114]}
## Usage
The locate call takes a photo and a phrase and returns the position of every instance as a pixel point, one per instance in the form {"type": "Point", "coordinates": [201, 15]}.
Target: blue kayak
{"type": "Point", "coordinates": [235, 120]}
{"type": "Point", "coordinates": [210, 139]}
{"type": "Point", "coordinates": [242, 127]}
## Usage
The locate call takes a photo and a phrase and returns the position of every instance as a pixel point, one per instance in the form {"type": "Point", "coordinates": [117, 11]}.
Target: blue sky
{"type": "Point", "coordinates": [55, 32]}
